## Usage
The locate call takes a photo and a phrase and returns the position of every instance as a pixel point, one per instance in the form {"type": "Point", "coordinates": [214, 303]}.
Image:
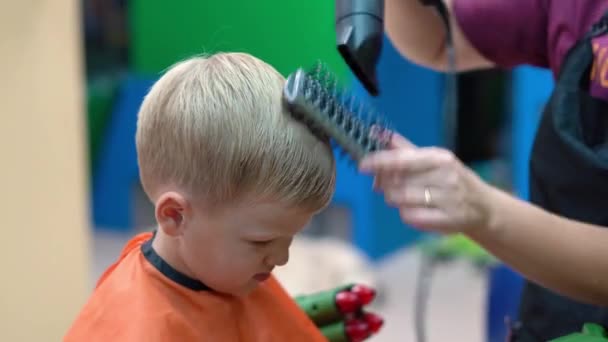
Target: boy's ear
{"type": "Point", "coordinates": [172, 210]}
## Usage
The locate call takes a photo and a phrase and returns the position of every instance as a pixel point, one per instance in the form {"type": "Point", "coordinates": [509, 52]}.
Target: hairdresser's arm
{"type": "Point", "coordinates": [567, 256]}
{"type": "Point", "coordinates": [418, 33]}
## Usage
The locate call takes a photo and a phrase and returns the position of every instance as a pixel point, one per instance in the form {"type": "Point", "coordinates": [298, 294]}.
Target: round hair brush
{"type": "Point", "coordinates": [315, 99]}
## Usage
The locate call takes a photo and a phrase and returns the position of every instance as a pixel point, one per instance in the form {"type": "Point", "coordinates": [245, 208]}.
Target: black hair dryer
{"type": "Point", "coordinates": [359, 34]}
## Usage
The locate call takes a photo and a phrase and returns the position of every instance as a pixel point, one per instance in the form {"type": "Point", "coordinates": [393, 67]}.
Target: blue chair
{"type": "Point", "coordinates": [504, 290]}
{"type": "Point", "coordinates": [117, 170]}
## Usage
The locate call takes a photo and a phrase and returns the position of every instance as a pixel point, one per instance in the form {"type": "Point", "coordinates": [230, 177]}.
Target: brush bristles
{"type": "Point", "coordinates": [316, 100]}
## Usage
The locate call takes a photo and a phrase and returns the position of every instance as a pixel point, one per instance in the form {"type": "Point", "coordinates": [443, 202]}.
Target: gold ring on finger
{"type": "Point", "coordinates": [428, 198]}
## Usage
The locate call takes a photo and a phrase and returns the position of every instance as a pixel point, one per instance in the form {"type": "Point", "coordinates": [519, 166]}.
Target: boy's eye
{"type": "Point", "coordinates": [261, 243]}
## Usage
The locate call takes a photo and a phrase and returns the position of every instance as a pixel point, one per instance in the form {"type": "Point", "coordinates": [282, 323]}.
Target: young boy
{"type": "Point", "coordinates": [233, 178]}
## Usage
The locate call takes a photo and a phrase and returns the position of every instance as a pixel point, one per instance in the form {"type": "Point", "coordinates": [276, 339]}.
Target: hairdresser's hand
{"type": "Point", "coordinates": [431, 188]}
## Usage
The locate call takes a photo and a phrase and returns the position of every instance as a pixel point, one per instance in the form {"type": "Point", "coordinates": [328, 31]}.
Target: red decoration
{"type": "Point", "coordinates": [348, 302]}
{"type": "Point", "coordinates": [357, 330]}
{"type": "Point", "coordinates": [374, 321]}
{"type": "Point", "coordinates": [366, 294]}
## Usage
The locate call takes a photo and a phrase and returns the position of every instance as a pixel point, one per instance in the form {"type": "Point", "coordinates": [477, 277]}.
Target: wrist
{"type": "Point", "coordinates": [491, 206]}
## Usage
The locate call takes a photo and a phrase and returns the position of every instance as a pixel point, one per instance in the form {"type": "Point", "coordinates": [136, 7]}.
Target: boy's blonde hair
{"type": "Point", "coordinates": [216, 127]}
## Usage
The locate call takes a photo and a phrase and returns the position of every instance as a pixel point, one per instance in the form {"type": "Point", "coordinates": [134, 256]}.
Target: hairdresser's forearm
{"type": "Point", "coordinates": [564, 255]}
{"type": "Point", "coordinates": [418, 33]}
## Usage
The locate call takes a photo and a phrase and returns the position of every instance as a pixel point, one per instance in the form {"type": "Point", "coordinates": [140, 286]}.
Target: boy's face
{"type": "Point", "coordinates": [235, 249]}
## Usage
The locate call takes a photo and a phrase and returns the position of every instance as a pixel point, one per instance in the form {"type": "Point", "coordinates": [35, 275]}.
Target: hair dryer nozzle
{"type": "Point", "coordinates": [359, 33]}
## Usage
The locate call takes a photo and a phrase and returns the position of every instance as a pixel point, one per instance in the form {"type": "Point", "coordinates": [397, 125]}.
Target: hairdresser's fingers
{"type": "Point", "coordinates": [428, 219]}
{"type": "Point", "coordinates": [406, 160]}
{"type": "Point", "coordinates": [437, 177]}
{"type": "Point", "coordinates": [386, 180]}
{"type": "Point", "coordinates": [394, 139]}
{"type": "Point", "coordinates": [414, 196]}
{"type": "Point", "coordinates": [399, 141]}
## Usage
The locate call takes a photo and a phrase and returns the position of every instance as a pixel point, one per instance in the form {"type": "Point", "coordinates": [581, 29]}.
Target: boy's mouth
{"type": "Point", "coordinates": [261, 276]}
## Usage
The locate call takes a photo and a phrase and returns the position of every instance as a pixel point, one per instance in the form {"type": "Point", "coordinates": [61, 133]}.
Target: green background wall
{"type": "Point", "coordinates": [286, 34]}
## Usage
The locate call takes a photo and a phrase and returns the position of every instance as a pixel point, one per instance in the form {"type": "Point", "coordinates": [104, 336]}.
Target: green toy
{"type": "Point", "coordinates": [339, 313]}
{"type": "Point", "coordinates": [345, 331]}
{"type": "Point", "coordinates": [323, 307]}
{"type": "Point", "coordinates": [591, 333]}
{"type": "Point", "coordinates": [335, 332]}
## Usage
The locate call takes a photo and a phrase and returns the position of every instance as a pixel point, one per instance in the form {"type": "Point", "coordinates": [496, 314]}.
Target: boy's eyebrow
{"type": "Point", "coordinates": [260, 234]}
{"type": "Point", "coordinates": [261, 237]}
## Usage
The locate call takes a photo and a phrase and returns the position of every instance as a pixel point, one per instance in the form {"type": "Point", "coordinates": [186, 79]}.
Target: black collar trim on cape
{"type": "Point", "coordinates": [168, 271]}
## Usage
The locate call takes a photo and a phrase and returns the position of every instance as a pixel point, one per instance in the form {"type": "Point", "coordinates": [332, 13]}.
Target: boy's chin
{"type": "Point", "coordinates": [247, 289]}
{"type": "Point", "coordinates": [243, 290]}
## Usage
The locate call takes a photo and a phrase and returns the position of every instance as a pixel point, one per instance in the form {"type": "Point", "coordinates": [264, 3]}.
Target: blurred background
{"type": "Point", "coordinates": [75, 73]}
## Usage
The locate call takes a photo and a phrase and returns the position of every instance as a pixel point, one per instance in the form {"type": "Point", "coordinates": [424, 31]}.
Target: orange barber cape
{"type": "Point", "coordinates": [141, 298]}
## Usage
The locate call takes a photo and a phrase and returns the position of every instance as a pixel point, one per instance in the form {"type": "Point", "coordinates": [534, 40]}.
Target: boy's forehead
{"type": "Point", "coordinates": [276, 211]}
{"type": "Point", "coordinates": [273, 216]}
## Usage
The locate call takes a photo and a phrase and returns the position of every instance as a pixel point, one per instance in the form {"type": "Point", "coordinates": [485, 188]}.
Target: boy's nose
{"type": "Point", "coordinates": [278, 258]}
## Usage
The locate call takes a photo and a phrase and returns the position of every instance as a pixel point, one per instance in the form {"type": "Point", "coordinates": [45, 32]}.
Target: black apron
{"type": "Point", "coordinates": [569, 177]}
